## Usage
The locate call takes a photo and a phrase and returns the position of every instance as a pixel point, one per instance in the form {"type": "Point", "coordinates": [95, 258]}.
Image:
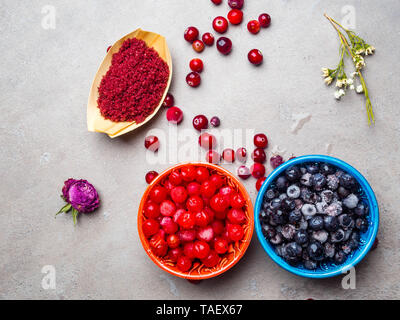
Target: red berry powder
{"type": "Point", "coordinates": [134, 84]}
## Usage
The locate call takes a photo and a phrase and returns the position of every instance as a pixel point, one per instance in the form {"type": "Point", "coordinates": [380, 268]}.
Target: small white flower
{"type": "Point", "coordinates": [325, 72]}
{"type": "Point", "coordinates": [360, 51]}
{"type": "Point", "coordinates": [328, 80]}
{"type": "Point", "coordinates": [359, 89]}
{"type": "Point", "coordinates": [339, 93]}
{"type": "Point", "coordinates": [352, 87]}
{"type": "Point", "coordinates": [369, 50]}
{"type": "Point", "coordinates": [349, 81]}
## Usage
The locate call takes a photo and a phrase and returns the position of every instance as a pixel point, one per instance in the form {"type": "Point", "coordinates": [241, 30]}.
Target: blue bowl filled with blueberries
{"type": "Point", "coordinates": [316, 216]}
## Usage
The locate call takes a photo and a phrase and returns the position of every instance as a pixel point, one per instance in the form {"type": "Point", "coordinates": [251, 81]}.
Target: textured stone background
{"type": "Point", "coordinates": [45, 79]}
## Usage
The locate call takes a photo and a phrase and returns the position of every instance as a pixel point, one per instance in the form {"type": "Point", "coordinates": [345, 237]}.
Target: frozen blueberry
{"type": "Point", "coordinates": [343, 192]}
{"type": "Point", "coordinates": [292, 252]}
{"type": "Point", "coordinates": [319, 181]}
{"type": "Point", "coordinates": [310, 264]}
{"type": "Point", "coordinates": [288, 204]}
{"type": "Point", "coordinates": [332, 182]}
{"type": "Point", "coordinates": [306, 179]}
{"type": "Point", "coordinates": [340, 257]}
{"type": "Point", "coordinates": [321, 236]}
{"type": "Point", "coordinates": [294, 216]}
{"type": "Point", "coordinates": [327, 196]}
{"type": "Point", "coordinates": [316, 223]}
{"type": "Point", "coordinates": [299, 203]}
{"type": "Point", "coordinates": [301, 237]}
{"type": "Point", "coordinates": [307, 195]}
{"type": "Point", "coordinates": [283, 196]}
{"type": "Point", "coordinates": [321, 207]}
{"type": "Point", "coordinates": [288, 231]}
{"type": "Point", "coordinates": [334, 209]}
{"type": "Point", "coordinates": [337, 236]}
{"type": "Point", "coordinates": [362, 224]}
{"type": "Point", "coordinates": [345, 221]}
{"type": "Point", "coordinates": [312, 168]}
{"type": "Point", "coordinates": [326, 169]}
{"type": "Point", "coordinates": [351, 201]}
{"type": "Point", "coordinates": [281, 183]}
{"type": "Point", "coordinates": [347, 181]}
{"type": "Point", "coordinates": [355, 236]}
{"type": "Point", "coordinates": [277, 239]}
{"type": "Point", "coordinates": [331, 223]}
{"type": "Point", "coordinates": [270, 194]}
{"type": "Point", "coordinates": [308, 210]}
{"type": "Point", "coordinates": [293, 191]}
{"type": "Point", "coordinates": [329, 250]}
{"type": "Point", "coordinates": [279, 217]}
{"type": "Point", "coordinates": [361, 210]}
{"type": "Point", "coordinates": [293, 173]}
{"type": "Point", "coordinates": [315, 251]}
{"type": "Point", "coordinates": [268, 231]}
{"type": "Point", "coordinates": [275, 204]}
{"type": "Point", "coordinates": [303, 225]}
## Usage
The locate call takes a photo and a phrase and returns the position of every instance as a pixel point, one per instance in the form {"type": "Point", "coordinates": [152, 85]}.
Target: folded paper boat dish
{"type": "Point", "coordinates": [95, 121]}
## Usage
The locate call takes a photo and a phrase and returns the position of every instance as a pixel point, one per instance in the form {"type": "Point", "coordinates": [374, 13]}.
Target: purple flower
{"type": "Point", "coordinates": [81, 196]}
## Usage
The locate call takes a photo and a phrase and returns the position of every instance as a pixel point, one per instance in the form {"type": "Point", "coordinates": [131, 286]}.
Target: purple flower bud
{"type": "Point", "coordinates": [81, 195]}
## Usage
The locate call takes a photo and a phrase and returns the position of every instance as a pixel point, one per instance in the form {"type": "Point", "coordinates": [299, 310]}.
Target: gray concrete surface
{"type": "Point", "coordinates": [45, 80]}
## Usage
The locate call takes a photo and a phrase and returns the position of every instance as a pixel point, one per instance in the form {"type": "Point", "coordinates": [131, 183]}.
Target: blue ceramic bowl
{"type": "Point", "coordinates": [366, 239]}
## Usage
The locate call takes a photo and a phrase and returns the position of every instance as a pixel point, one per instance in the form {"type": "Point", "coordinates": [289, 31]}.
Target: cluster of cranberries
{"type": "Point", "coordinates": [224, 45]}
{"type": "Point", "coordinates": [193, 215]}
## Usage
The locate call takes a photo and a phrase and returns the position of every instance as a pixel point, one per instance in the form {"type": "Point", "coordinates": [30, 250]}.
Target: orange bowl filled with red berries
{"type": "Point", "coordinates": [195, 220]}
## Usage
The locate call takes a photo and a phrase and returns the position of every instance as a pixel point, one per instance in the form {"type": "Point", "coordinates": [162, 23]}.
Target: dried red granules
{"type": "Point", "coordinates": [134, 84]}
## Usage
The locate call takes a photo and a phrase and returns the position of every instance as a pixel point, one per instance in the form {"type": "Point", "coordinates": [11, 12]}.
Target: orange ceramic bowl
{"type": "Point", "coordinates": [236, 249]}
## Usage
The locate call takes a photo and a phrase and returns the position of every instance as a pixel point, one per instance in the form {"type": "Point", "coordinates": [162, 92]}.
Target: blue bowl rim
{"type": "Point", "coordinates": [374, 216]}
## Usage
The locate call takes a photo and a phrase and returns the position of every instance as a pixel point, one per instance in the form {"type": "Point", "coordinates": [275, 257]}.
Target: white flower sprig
{"type": "Point", "coordinates": [356, 48]}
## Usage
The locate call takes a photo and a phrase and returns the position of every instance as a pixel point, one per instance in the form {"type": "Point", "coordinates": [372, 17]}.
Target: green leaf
{"type": "Point", "coordinates": [64, 209]}
{"type": "Point", "coordinates": [75, 215]}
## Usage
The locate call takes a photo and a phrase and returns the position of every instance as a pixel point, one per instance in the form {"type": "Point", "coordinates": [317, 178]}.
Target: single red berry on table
{"type": "Point", "coordinates": [167, 208]}
{"type": "Point", "coordinates": [236, 4]}
{"type": "Point", "coordinates": [220, 24]}
{"type": "Point", "coordinates": [215, 122]}
{"type": "Point", "coordinates": [151, 209]}
{"type": "Point", "coordinates": [276, 161]}
{"type": "Point", "coordinates": [200, 122]}
{"type": "Point", "coordinates": [179, 194]}
{"type": "Point", "coordinates": [184, 263]}
{"type": "Point", "coordinates": [221, 246]}
{"type": "Point", "coordinates": [235, 16]}
{"type": "Point", "coordinates": [213, 156]}
{"type": "Point", "coordinates": [150, 176]}
{"type": "Point", "coordinates": [259, 155]}
{"type": "Point", "coordinates": [158, 194]}
{"type": "Point", "coordinates": [228, 155]}
{"type": "Point", "coordinates": [208, 39]}
{"type": "Point", "coordinates": [260, 182]}
{"type": "Point", "coordinates": [243, 172]}
{"type": "Point", "coordinates": [255, 57]}
{"type": "Point", "coordinates": [150, 227]}
{"type": "Point", "coordinates": [151, 143]}
{"type": "Point", "coordinates": [188, 173]}
{"type": "Point", "coordinates": [211, 260]}
{"type": "Point", "coordinates": [257, 170]}
{"type": "Point", "coordinates": [196, 65]}
{"type": "Point", "coordinates": [202, 174]}
{"type": "Point", "coordinates": [175, 178]}
{"type": "Point", "coordinates": [253, 26]}
{"type": "Point", "coordinates": [235, 232]}
{"type": "Point", "coordinates": [173, 241]}
{"type": "Point", "coordinates": [216, 2]}
{"type": "Point", "coordinates": [207, 141]}
{"type": "Point", "coordinates": [193, 79]}
{"type": "Point", "coordinates": [224, 45]}
{"type": "Point", "coordinates": [265, 20]}
{"type": "Point", "coordinates": [241, 154]}
{"type": "Point", "coordinates": [260, 140]}
{"type": "Point", "coordinates": [191, 34]}
{"type": "Point", "coordinates": [198, 46]}
{"type": "Point", "coordinates": [174, 115]}
{"type": "Point", "coordinates": [201, 249]}
{"type": "Point", "coordinates": [168, 101]}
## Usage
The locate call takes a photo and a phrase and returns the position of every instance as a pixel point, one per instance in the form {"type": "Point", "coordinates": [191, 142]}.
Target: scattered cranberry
{"type": "Point", "coordinates": [207, 141]}
{"type": "Point", "coordinates": [208, 39]}
{"type": "Point", "coordinates": [265, 20]}
{"type": "Point", "coordinates": [260, 182]}
{"type": "Point", "coordinates": [191, 34]}
{"type": "Point", "coordinates": [228, 155]}
{"type": "Point", "coordinates": [224, 45]}
{"type": "Point", "coordinates": [196, 65]}
{"type": "Point", "coordinates": [220, 24]}
{"type": "Point", "coordinates": [241, 154]}
{"type": "Point", "coordinates": [236, 4]}
{"type": "Point", "coordinates": [198, 46]}
{"type": "Point", "coordinates": [216, 2]}
{"type": "Point", "coordinates": [174, 115]}
{"type": "Point", "coordinates": [276, 161]}
{"type": "Point", "coordinates": [169, 101]}
{"type": "Point", "coordinates": [150, 176]}
{"type": "Point", "coordinates": [253, 26]}
{"type": "Point", "coordinates": [200, 122]}
{"type": "Point", "coordinates": [213, 156]}
{"type": "Point", "coordinates": [108, 49]}
{"type": "Point", "coordinates": [259, 155]}
{"type": "Point", "coordinates": [152, 143]}
{"type": "Point", "coordinates": [260, 140]}
{"type": "Point", "coordinates": [243, 172]}
{"type": "Point", "coordinates": [193, 79]}
{"type": "Point", "coordinates": [255, 57]}
{"type": "Point", "coordinates": [257, 170]}
{"type": "Point", "coordinates": [235, 16]}
{"type": "Point", "coordinates": [215, 122]}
